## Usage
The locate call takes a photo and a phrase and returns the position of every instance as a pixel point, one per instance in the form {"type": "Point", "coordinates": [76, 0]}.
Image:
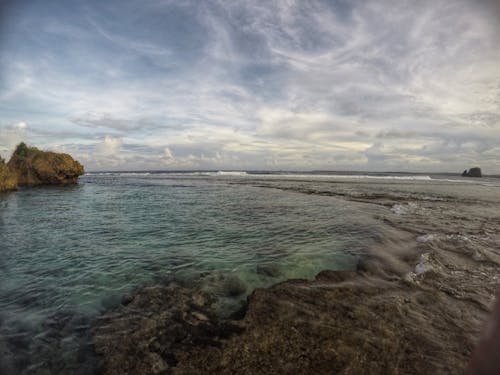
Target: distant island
{"type": "Point", "coordinates": [473, 172]}
{"type": "Point", "coordinates": [29, 166]}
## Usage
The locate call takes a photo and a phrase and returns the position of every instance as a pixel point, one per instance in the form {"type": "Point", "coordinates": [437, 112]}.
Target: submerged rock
{"type": "Point", "coordinates": [473, 172]}
{"type": "Point", "coordinates": [35, 167]}
{"type": "Point", "coordinates": [145, 336]}
{"type": "Point", "coordinates": [233, 286]}
{"type": "Point", "coordinates": [270, 270]}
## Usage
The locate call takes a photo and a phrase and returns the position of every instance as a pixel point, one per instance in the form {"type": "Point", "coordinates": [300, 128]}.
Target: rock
{"type": "Point", "coordinates": [270, 270]}
{"type": "Point", "coordinates": [144, 336]}
{"type": "Point", "coordinates": [335, 276]}
{"type": "Point", "coordinates": [233, 286]}
{"type": "Point", "coordinates": [127, 298]}
{"type": "Point", "coordinates": [350, 328]}
{"type": "Point", "coordinates": [473, 172]}
{"type": "Point", "coordinates": [322, 326]}
{"type": "Point", "coordinates": [35, 167]}
{"type": "Point", "coordinates": [8, 179]}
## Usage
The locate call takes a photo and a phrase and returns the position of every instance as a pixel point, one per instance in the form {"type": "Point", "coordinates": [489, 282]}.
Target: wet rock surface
{"type": "Point", "coordinates": [145, 335]}
{"type": "Point", "coordinates": [323, 328]}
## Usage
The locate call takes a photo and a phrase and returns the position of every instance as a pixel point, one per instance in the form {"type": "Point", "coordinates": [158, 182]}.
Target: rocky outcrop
{"type": "Point", "coordinates": [321, 327]}
{"type": "Point", "coordinates": [143, 335]}
{"type": "Point", "coordinates": [8, 179]}
{"type": "Point", "coordinates": [473, 172]}
{"type": "Point", "coordinates": [33, 167]}
{"type": "Point", "coordinates": [340, 323]}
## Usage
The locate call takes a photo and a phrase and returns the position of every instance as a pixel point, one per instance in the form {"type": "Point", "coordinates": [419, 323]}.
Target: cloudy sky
{"type": "Point", "coordinates": [302, 85]}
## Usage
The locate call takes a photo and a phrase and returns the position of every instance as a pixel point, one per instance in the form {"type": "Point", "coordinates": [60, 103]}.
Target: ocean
{"type": "Point", "coordinates": [68, 254]}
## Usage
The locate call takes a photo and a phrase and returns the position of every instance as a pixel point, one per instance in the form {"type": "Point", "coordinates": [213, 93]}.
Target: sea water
{"type": "Point", "coordinates": [70, 253]}
{"type": "Point", "coordinates": [67, 254]}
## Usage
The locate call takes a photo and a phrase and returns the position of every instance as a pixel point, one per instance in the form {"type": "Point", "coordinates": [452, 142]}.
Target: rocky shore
{"type": "Point", "coordinates": [416, 303]}
{"type": "Point", "coordinates": [29, 166]}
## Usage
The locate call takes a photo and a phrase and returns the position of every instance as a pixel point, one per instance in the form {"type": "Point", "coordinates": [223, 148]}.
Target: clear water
{"type": "Point", "coordinates": [69, 253]}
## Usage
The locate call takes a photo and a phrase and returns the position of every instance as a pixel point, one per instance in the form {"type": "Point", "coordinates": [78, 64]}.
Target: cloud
{"type": "Point", "coordinates": [167, 154]}
{"type": "Point", "coordinates": [11, 135]}
{"type": "Point", "coordinates": [261, 84]}
{"type": "Point", "coordinates": [109, 146]}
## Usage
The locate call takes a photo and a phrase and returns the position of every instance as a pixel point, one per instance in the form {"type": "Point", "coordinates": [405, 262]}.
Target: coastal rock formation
{"type": "Point", "coordinates": [321, 327]}
{"type": "Point", "coordinates": [8, 179]}
{"type": "Point", "coordinates": [473, 172]}
{"type": "Point", "coordinates": [340, 323]}
{"type": "Point", "coordinates": [142, 336]}
{"type": "Point", "coordinates": [34, 167]}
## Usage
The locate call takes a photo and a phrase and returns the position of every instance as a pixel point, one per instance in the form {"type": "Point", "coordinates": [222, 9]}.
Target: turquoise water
{"type": "Point", "coordinates": [69, 253]}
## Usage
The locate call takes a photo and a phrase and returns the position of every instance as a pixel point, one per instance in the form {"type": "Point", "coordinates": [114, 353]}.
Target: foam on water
{"type": "Point", "coordinates": [310, 176]}
{"type": "Point", "coordinates": [231, 173]}
{"type": "Point", "coordinates": [340, 176]}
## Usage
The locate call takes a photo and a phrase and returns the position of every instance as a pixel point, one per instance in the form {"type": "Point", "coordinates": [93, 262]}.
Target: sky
{"type": "Point", "coordinates": [386, 85]}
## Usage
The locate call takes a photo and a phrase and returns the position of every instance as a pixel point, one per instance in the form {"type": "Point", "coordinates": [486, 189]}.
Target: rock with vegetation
{"type": "Point", "coordinates": [35, 167]}
{"type": "Point", "coordinates": [473, 172]}
{"type": "Point", "coordinates": [8, 179]}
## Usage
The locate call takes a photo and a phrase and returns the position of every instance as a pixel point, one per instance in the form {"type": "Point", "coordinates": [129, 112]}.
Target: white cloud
{"type": "Point", "coordinates": [11, 136]}
{"type": "Point", "coordinates": [109, 146]}
{"type": "Point", "coordinates": [167, 154]}
{"type": "Point", "coordinates": [270, 85]}
{"type": "Point", "coordinates": [21, 125]}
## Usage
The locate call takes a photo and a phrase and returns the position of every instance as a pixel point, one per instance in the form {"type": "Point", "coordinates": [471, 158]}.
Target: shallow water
{"type": "Point", "coordinates": [69, 253]}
